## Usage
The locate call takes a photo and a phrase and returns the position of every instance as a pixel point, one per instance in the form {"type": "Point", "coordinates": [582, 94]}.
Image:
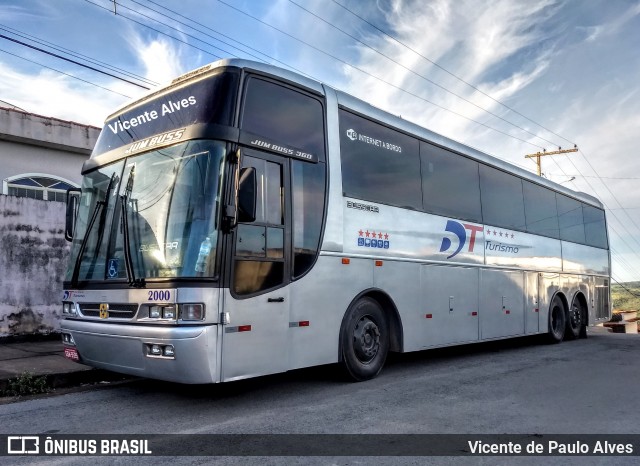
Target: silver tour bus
{"type": "Point", "coordinates": [245, 220]}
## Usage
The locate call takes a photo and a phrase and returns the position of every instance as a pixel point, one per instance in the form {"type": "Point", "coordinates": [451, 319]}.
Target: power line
{"type": "Point", "coordinates": [173, 28]}
{"type": "Point", "coordinates": [608, 189]}
{"type": "Point", "coordinates": [420, 75]}
{"type": "Point", "coordinates": [219, 33]}
{"type": "Point", "coordinates": [597, 195]}
{"type": "Point", "coordinates": [94, 69]}
{"type": "Point", "coordinates": [273, 27]}
{"type": "Point", "coordinates": [605, 205]}
{"type": "Point", "coordinates": [597, 176]}
{"type": "Point", "coordinates": [612, 195]}
{"type": "Point", "coordinates": [474, 87]}
{"type": "Point", "coordinates": [71, 61]}
{"type": "Point", "coordinates": [449, 72]}
{"type": "Point", "coordinates": [338, 59]}
{"type": "Point", "coordinates": [156, 30]}
{"type": "Point", "coordinates": [223, 50]}
{"type": "Point", "coordinates": [191, 27]}
{"type": "Point", "coordinates": [374, 76]}
{"type": "Point", "coordinates": [623, 263]}
{"type": "Point", "coordinates": [66, 74]}
{"type": "Point", "coordinates": [613, 214]}
{"type": "Point", "coordinates": [309, 45]}
{"type": "Point", "coordinates": [625, 288]}
{"type": "Point", "coordinates": [78, 55]}
{"type": "Point", "coordinates": [622, 240]}
{"type": "Point", "coordinates": [192, 36]}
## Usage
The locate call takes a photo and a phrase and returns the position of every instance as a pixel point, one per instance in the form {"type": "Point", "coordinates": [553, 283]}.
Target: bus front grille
{"type": "Point", "coordinates": [115, 311]}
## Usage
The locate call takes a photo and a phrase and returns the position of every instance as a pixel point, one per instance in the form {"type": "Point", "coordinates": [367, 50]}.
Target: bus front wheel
{"type": "Point", "coordinates": [364, 338]}
{"type": "Point", "coordinates": [557, 321]}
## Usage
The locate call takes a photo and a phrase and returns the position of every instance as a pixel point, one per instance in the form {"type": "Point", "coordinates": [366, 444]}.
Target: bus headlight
{"type": "Point", "coordinates": [168, 312]}
{"type": "Point", "coordinates": [68, 309]}
{"type": "Point", "coordinates": [162, 312]}
{"type": "Point", "coordinates": [155, 312]}
{"type": "Point", "coordinates": [192, 311]}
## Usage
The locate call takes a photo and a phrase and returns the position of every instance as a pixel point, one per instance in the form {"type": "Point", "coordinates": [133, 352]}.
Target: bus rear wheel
{"type": "Point", "coordinates": [557, 321]}
{"type": "Point", "coordinates": [577, 321]}
{"type": "Point", "coordinates": [364, 339]}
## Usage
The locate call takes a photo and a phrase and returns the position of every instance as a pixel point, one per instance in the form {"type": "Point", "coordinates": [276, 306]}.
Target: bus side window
{"type": "Point", "coordinates": [374, 159]}
{"type": "Point", "coordinates": [450, 183]}
{"type": "Point", "coordinates": [308, 190]}
{"type": "Point", "coordinates": [595, 229]}
{"type": "Point", "coordinates": [285, 116]}
{"type": "Point", "coordinates": [502, 199]}
{"type": "Point", "coordinates": [571, 219]}
{"type": "Point", "coordinates": [540, 210]}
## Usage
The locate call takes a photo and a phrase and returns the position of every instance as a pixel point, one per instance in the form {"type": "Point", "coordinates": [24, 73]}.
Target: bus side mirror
{"type": "Point", "coordinates": [73, 201]}
{"type": "Point", "coordinates": [247, 188]}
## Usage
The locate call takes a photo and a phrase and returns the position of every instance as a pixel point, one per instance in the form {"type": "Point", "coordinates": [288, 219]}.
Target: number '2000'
{"type": "Point", "coordinates": [159, 295]}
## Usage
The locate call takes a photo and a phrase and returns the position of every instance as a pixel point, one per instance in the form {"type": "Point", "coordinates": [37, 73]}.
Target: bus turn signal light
{"type": "Point", "coordinates": [191, 311]}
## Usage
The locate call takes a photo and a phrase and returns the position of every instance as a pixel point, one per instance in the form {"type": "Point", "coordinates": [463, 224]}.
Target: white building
{"type": "Point", "coordinates": [41, 157]}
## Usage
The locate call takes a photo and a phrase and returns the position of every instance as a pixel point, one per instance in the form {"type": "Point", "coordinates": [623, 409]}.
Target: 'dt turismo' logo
{"type": "Point", "coordinates": [460, 230]}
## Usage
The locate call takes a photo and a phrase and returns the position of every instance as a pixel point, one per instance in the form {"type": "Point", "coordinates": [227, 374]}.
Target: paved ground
{"type": "Point", "coordinates": [36, 357]}
{"type": "Point", "coordinates": [44, 358]}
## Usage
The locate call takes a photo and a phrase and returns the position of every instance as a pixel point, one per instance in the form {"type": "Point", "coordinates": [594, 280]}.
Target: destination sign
{"type": "Point", "coordinates": [207, 101]}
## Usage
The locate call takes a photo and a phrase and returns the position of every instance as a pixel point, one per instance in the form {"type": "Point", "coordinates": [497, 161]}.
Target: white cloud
{"type": "Point", "coordinates": [161, 60]}
{"type": "Point", "coordinates": [51, 94]}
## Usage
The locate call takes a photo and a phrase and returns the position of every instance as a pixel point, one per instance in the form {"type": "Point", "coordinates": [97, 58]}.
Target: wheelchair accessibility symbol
{"type": "Point", "coordinates": [112, 270]}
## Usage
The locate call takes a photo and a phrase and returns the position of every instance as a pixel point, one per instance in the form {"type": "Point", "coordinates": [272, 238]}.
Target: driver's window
{"type": "Point", "coordinates": [259, 251]}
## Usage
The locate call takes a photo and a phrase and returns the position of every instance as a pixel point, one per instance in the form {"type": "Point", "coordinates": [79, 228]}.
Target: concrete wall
{"type": "Point", "coordinates": [33, 259]}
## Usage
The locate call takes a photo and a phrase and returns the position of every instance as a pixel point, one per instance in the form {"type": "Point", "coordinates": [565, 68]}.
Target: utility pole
{"type": "Point", "coordinates": [544, 152]}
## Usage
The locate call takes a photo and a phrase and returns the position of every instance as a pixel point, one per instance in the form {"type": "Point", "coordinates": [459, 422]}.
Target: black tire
{"type": "Point", "coordinates": [585, 321]}
{"type": "Point", "coordinates": [557, 321]}
{"type": "Point", "coordinates": [576, 321]}
{"type": "Point", "coordinates": [364, 339]}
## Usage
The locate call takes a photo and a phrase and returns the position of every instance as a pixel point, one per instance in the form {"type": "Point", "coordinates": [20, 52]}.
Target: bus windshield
{"type": "Point", "coordinates": [153, 215]}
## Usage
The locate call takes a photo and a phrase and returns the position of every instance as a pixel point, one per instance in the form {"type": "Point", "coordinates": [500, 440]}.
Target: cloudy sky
{"type": "Point", "coordinates": [509, 77]}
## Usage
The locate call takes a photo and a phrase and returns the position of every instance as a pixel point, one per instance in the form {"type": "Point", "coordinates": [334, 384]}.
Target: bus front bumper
{"type": "Point", "coordinates": [187, 354]}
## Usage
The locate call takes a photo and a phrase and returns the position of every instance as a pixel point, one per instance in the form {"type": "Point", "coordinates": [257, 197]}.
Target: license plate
{"type": "Point", "coordinates": [71, 353]}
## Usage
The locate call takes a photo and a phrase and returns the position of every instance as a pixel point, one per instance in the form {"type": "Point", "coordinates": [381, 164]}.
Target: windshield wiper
{"type": "Point", "coordinates": [100, 206]}
{"type": "Point", "coordinates": [128, 259]}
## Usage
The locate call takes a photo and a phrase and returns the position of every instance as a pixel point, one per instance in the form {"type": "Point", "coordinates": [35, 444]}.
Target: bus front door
{"type": "Point", "coordinates": [256, 302]}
